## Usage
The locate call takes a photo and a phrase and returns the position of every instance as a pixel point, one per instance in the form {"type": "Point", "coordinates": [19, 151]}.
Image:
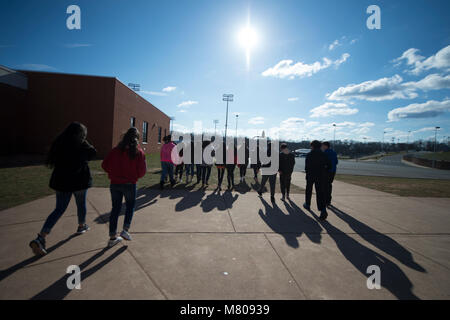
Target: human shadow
{"type": "Point", "coordinates": [229, 198]}
{"type": "Point", "coordinates": [59, 290]}
{"type": "Point", "coordinates": [7, 272]}
{"type": "Point", "coordinates": [361, 257]}
{"type": "Point", "coordinates": [212, 201]}
{"type": "Point", "coordinates": [243, 187]}
{"type": "Point", "coordinates": [379, 240]}
{"type": "Point", "coordinates": [190, 199]}
{"type": "Point", "coordinates": [290, 226]}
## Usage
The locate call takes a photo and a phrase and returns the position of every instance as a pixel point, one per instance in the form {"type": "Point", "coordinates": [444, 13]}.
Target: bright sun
{"type": "Point", "coordinates": [248, 39]}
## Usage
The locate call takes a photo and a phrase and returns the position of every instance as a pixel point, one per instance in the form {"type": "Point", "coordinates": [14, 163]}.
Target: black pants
{"type": "Point", "coordinates": [179, 170]}
{"type": "Point", "coordinates": [242, 170]}
{"type": "Point", "coordinates": [255, 168]}
{"type": "Point", "coordinates": [329, 187]}
{"type": "Point", "coordinates": [230, 174]}
{"type": "Point", "coordinates": [206, 171]}
{"type": "Point", "coordinates": [220, 174]}
{"type": "Point", "coordinates": [198, 172]}
{"type": "Point", "coordinates": [285, 183]}
{"type": "Point", "coordinates": [272, 181]}
{"type": "Point", "coordinates": [320, 185]}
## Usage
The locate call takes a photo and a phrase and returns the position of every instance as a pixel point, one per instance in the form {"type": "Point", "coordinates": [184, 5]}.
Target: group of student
{"type": "Point", "coordinates": [70, 153]}
{"type": "Point", "coordinates": [69, 156]}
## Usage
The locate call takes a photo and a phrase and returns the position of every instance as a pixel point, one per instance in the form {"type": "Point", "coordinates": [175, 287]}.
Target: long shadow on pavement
{"type": "Point", "coordinates": [7, 272]}
{"type": "Point", "coordinates": [59, 289]}
{"type": "Point", "coordinates": [380, 240]}
{"type": "Point", "coordinates": [392, 277]}
{"type": "Point", "coordinates": [292, 225]}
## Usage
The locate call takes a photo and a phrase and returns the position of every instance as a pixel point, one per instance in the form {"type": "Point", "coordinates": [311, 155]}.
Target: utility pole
{"type": "Point", "coordinates": [215, 126]}
{"type": "Point", "coordinates": [407, 141]}
{"type": "Point", "coordinates": [334, 135]}
{"type": "Point", "coordinates": [227, 98]}
{"type": "Point", "coordinates": [237, 116]}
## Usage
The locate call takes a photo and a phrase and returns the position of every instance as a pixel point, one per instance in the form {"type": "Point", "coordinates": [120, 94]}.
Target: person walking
{"type": "Point", "coordinates": [243, 166]}
{"type": "Point", "coordinates": [286, 167]}
{"type": "Point", "coordinates": [221, 165]}
{"type": "Point", "coordinates": [265, 176]}
{"type": "Point", "coordinates": [125, 164]}
{"type": "Point", "coordinates": [231, 165]}
{"type": "Point", "coordinates": [69, 155]}
{"type": "Point", "coordinates": [317, 165]}
{"type": "Point", "coordinates": [332, 156]}
{"type": "Point", "coordinates": [166, 161]}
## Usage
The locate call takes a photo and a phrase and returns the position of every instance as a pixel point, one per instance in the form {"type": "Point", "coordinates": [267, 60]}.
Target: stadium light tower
{"type": "Point", "coordinates": [227, 98]}
{"type": "Point", "coordinates": [435, 135]}
{"type": "Point", "coordinates": [237, 116]}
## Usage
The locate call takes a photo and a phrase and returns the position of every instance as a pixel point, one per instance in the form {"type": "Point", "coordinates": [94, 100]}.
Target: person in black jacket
{"type": "Point", "coordinates": [68, 156]}
{"type": "Point", "coordinates": [317, 165]}
{"type": "Point", "coordinates": [286, 166]}
{"type": "Point", "coordinates": [271, 177]}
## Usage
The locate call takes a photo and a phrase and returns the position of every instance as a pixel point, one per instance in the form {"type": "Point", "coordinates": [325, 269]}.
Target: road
{"type": "Point", "coordinates": [390, 166]}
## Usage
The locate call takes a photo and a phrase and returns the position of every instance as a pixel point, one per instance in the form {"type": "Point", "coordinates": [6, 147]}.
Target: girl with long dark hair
{"type": "Point", "coordinates": [125, 164]}
{"type": "Point", "coordinates": [68, 157]}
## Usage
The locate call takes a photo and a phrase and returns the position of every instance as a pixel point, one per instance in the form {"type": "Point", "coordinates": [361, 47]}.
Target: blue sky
{"type": "Point", "coordinates": [314, 63]}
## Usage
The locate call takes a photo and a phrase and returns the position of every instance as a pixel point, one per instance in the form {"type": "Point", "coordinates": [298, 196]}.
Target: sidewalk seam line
{"type": "Point", "coordinates": [286, 267]}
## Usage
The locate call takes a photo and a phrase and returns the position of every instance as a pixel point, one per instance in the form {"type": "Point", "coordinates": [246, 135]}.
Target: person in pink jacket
{"type": "Point", "coordinates": [166, 161]}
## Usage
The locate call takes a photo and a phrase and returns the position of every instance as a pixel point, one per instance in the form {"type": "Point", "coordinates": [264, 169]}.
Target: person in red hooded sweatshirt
{"type": "Point", "coordinates": [125, 164]}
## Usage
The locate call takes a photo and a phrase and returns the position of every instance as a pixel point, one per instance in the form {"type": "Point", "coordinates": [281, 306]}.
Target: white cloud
{"type": "Point", "coordinates": [424, 129]}
{"type": "Point", "coordinates": [256, 120]}
{"type": "Point", "coordinates": [353, 41]}
{"type": "Point", "coordinates": [375, 90]}
{"type": "Point", "coordinates": [363, 128]}
{"type": "Point", "coordinates": [182, 110]}
{"type": "Point", "coordinates": [428, 109]}
{"type": "Point", "coordinates": [332, 109]}
{"type": "Point", "coordinates": [430, 82]}
{"type": "Point", "coordinates": [154, 93]}
{"type": "Point", "coordinates": [418, 63]}
{"type": "Point", "coordinates": [286, 68]}
{"type": "Point", "coordinates": [333, 45]}
{"type": "Point", "coordinates": [169, 89]}
{"type": "Point", "coordinates": [188, 103]}
{"type": "Point", "coordinates": [292, 99]}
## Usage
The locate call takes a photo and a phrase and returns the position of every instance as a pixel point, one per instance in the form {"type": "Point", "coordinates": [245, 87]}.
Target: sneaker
{"type": "Point", "coordinates": [323, 215]}
{"type": "Point", "coordinates": [306, 206]}
{"type": "Point", "coordinates": [126, 235]}
{"type": "Point", "coordinates": [83, 229]}
{"type": "Point", "coordinates": [113, 242]}
{"type": "Point", "coordinates": [38, 246]}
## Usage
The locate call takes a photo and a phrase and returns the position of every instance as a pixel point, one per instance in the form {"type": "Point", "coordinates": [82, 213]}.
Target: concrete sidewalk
{"type": "Point", "coordinates": [204, 245]}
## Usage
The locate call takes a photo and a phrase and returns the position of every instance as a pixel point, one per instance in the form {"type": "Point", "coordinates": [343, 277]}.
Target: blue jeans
{"type": "Point", "coordinates": [167, 168]}
{"type": "Point", "coordinates": [62, 201]}
{"type": "Point", "coordinates": [189, 169]}
{"type": "Point", "coordinates": [118, 192]}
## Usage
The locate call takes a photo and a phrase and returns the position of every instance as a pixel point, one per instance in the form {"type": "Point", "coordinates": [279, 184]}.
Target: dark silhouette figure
{"type": "Point", "coordinates": [379, 240]}
{"type": "Point", "coordinates": [190, 199]}
{"type": "Point", "coordinates": [290, 226]}
{"type": "Point", "coordinates": [59, 290]}
{"type": "Point", "coordinates": [392, 277]}
{"type": "Point", "coordinates": [213, 200]}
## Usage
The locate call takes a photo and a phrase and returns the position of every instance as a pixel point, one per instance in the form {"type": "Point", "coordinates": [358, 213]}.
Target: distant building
{"type": "Point", "coordinates": [36, 106]}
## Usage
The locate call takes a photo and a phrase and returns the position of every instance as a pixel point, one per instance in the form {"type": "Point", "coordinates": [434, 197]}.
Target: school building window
{"type": "Point", "coordinates": [133, 122]}
{"type": "Point", "coordinates": [144, 131]}
{"type": "Point", "coordinates": [159, 134]}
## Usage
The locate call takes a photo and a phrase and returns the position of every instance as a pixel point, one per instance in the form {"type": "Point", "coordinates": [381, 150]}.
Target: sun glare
{"type": "Point", "coordinates": [248, 39]}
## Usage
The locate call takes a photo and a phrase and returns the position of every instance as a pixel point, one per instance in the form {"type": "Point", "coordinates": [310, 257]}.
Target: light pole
{"type": "Point", "coordinates": [334, 135]}
{"type": "Point", "coordinates": [407, 141]}
{"type": "Point", "coordinates": [382, 145]}
{"type": "Point", "coordinates": [215, 126]}
{"type": "Point", "coordinates": [227, 98]}
{"type": "Point", "coordinates": [237, 117]}
{"type": "Point", "coordinates": [435, 135]}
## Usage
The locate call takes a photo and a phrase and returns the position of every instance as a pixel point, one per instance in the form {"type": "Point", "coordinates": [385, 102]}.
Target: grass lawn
{"type": "Point", "coordinates": [23, 184]}
{"type": "Point", "coordinates": [436, 156]}
{"type": "Point", "coordinates": [405, 187]}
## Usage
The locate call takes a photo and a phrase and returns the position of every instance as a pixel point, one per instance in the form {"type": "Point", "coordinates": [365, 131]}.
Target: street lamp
{"type": "Point", "coordinates": [435, 135]}
{"type": "Point", "coordinates": [227, 98]}
{"type": "Point", "coordinates": [382, 145]}
{"type": "Point", "coordinates": [334, 135]}
{"type": "Point", "coordinates": [237, 116]}
{"type": "Point", "coordinates": [407, 141]}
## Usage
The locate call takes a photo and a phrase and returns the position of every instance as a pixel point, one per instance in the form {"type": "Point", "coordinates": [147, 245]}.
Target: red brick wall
{"type": "Point", "coordinates": [128, 104]}
{"type": "Point", "coordinates": [54, 100]}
